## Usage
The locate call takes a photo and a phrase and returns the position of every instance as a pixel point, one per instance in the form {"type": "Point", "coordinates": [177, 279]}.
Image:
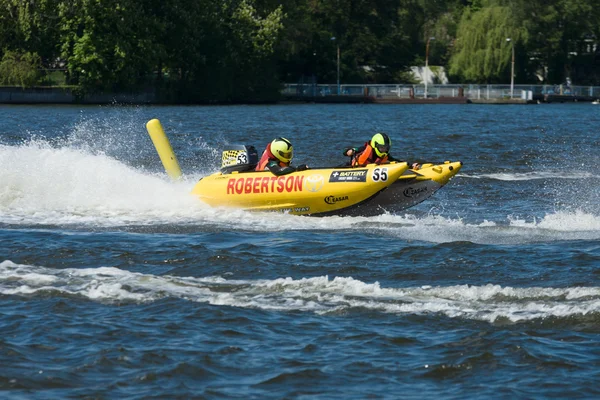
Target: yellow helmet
{"type": "Point", "coordinates": [282, 149]}
{"type": "Point", "coordinates": [381, 143]}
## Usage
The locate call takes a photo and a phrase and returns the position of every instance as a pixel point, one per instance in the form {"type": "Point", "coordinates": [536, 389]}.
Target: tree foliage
{"type": "Point", "coordinates": [241, 50]}
{"type": "Point", "coordinates": [20, 69]}
{"type": "Point", "coordinates": [482, 49]}
{"type": "Point", "coordinates": [563, 34]}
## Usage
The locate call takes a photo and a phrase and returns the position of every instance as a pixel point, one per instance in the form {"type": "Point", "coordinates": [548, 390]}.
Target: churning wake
{"type": "Point", "coordinates": [535, 175]}
{"type": "Point", "coordinates": [45, 185]}
{"type": "Point", "coordinates": [491, 303]}
{"type": "Point", "coordinates": [70, 186]}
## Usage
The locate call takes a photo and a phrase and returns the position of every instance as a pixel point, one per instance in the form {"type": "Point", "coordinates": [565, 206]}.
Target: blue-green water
{"type": "Point", "coordinates": [116, 283]}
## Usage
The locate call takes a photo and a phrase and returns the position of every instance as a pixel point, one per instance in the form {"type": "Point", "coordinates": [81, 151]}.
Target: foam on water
{"type": "Point", "coordinates": [531, 176]}
{"type": "Point", "coordinates": [562, 221]}
{"type": "Point", "coordinates": [45, 185]}
{"type": "Point", "coordinates": [319, 294]}
{"type": "Point", "coordinates": [560, 225]}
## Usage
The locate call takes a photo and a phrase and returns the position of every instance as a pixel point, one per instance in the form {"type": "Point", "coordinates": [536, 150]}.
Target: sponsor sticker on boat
{"type": "Point", "coordinates": [355, 175]}
{"type": "Point", "coordinates": [288, 210]}
{"type": "Point", "coordinates": [265, 184]}
{"type": "Point", "coordinates": [335, 199]}
{"type": "Point", "coordinates": [314, 183]}
{"type": "Point", "coordinates": [410, 191]}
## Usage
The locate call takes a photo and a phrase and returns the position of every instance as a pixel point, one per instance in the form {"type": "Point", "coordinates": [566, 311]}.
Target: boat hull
{"type": "Point", "coordinates": [410, 189]}
{"type": "Point", "coordinates": [371, 190]}
{"type": "Point", "coordinates": [310, 192]}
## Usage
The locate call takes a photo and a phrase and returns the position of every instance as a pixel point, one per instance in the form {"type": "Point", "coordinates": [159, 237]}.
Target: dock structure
{"type": "Point", "coordinates": [440, 94]}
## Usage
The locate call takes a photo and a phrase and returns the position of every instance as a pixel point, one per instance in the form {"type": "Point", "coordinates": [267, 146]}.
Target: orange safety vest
{"type": "Point", "coordinates": [266, 157]}
{"type": "Point", "coordinates": [368, 156]}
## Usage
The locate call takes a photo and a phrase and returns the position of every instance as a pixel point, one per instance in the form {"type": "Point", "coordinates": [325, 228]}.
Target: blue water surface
{"type": "Point", "coordinates": [117, 283]}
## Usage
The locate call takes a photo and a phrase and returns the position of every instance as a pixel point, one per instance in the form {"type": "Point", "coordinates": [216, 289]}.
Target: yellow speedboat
{"type": "Point", "coordinates": [370, 190]}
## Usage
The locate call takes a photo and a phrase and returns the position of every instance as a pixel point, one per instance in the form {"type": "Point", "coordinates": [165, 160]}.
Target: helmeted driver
{"type": "Point", "coordinates": [277, 158]}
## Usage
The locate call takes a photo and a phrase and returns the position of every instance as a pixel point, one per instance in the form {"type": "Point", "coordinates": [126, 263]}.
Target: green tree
{"type": "Point", "coordinates": [441, 22]}
{"type": "Point", "coordinates": [250, 50]}
{"type": "Point", "coordinates": [562, 32]}
{"type": "Point", "coordinates": [481, 51]}
{"type": "Point", "coordinates": [30, 26]}
{"type": "Point", "coordinates": [376, 39]}
{"type": "Point", "coordinates": [106, 44]}
{"type": "Point", "coordinates": [220, 51]}
{"type": "Point", "coordinates": [20, 69]}
{"type": "Point", "coordinates": [240, 50]}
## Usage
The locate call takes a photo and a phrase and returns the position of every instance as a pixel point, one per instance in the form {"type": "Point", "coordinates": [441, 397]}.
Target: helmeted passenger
{"type": "Point", "coordinates": [277, 158]}
{"type": "Point", "coordinates": [375, 151]}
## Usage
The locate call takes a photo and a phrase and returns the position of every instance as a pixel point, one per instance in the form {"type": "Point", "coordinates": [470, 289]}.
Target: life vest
{"type": "Point", "coordinates": [368, 156]}
{"type": "Point", "coordinates": [266, 157]}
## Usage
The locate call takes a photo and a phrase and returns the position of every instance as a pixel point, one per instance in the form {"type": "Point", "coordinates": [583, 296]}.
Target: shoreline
{"type": "Point", "coordinates": [51, 95]}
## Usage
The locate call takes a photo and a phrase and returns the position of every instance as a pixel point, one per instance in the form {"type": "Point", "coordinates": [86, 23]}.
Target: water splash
{"type": "Point", "coordinates": [321, 295]}
{"type": "Point", "coordinates": [42, 184]}
{"type": "Point", "coordinates": [532, 176]}
{"type": "Point", "coordinates": [47, 185]}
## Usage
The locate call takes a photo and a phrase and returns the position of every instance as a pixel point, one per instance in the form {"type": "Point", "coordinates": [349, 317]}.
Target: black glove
{"type": "Point", "coordinates": [301, 167]}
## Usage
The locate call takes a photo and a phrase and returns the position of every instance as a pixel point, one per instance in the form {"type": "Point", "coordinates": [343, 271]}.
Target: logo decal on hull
{"type": "Point", "coordinates": [355, 175]}
{"type": "Point", "coordinates": [265, 184]}
{"type": "Point", "coordinates": [334, 199]}
{"type": "Point", "coordinates": [410, 192]}
{"type": "Point", "coordinates": [295, 209]}
{"type": "Point", "coordinates": [314, 183]}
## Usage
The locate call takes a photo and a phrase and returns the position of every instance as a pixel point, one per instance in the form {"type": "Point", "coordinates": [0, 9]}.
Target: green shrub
{"type": "Point", "coordinates": [20, 69]}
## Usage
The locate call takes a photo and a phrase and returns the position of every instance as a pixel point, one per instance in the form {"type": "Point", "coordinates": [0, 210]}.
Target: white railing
{"type": "Point", "coordinates": [473, 92]}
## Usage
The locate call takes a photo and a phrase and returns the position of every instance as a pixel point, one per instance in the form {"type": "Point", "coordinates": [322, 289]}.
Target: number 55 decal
{"type": "Point", "coordinates": [380, 174]}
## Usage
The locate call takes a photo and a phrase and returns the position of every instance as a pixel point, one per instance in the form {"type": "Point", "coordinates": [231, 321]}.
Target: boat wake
{"type": "Point", "coordinates": [75, 189]}
{"type": "Point", "coordinates": [489, 303]}
{"type": "Point", "coordinates": [557, 226]}
{"type": "Point", "coordinates": [532, 176]}
{"type": "Point", "coordinates": [46, 185]}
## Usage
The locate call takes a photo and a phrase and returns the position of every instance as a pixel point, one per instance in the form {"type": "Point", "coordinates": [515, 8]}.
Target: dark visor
{"type": "Point", "coordinates": [383, 148]}
{"type": "Point", "coordinates": [285, 154]}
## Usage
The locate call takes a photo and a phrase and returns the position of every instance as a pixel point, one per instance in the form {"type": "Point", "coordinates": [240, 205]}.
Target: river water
{"type": "Point", "coordinates": [116, 283]}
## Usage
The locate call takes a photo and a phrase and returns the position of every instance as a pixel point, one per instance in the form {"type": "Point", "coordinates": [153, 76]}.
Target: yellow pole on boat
{"type": "Point", "coordinates": [164, 149]}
